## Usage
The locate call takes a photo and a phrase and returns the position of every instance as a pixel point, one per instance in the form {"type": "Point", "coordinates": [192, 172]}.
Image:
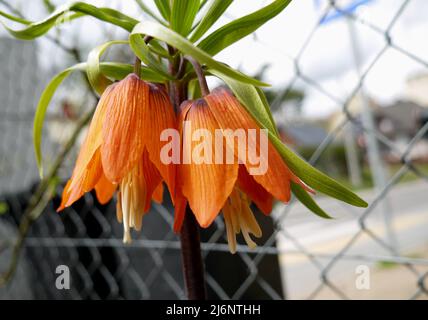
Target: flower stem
{"type": "Point", "coordinates": [137, 67]}
{"type": "Point", "coordinates": [137, 64]}
{"type": "Point", "coordinates": [200, 74]}
{"type": "Point", "coordinates": [193, 266]}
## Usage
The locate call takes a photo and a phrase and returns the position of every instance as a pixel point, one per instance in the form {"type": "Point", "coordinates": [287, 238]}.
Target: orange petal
{"type": "Point", "coordinates": [94, 136]}
{"type": "Point", "coordinates": [152, 178]}
{"type": "Point", "coordinates": [255, 191]}
{"type": "Point", "coordinates": [76, 187]}
{"type": "Point", "coordinates": [231, 115]}
{"type": "Point", "coordinates": [179, 213]}
{"type": "Point", "coordinates": [205, 185]}
{"type": "Point", "coordinates": [123, 127]}
{"type": "Point", "coordinates": [104, 189]}
{"type": "Point", "coordinates": [65, 196]}
{"type": "Point", "coordinates": [158, 194]}
{"type": "Point", "coordinates": [158, 117]}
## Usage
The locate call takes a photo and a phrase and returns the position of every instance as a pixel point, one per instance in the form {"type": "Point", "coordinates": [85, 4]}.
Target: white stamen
{"type": "Point", "coordinates": [239, 218]}
{"type": "Point", "coordinates": [131, 202]}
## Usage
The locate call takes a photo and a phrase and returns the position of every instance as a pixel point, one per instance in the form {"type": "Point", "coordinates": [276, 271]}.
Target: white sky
{"type": "Point", "coordinates": [328, 58]}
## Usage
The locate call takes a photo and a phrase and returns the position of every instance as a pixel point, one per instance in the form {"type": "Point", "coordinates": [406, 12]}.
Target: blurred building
{"type": "Point", "coordinates": [400, 122]}
{"type": "Point", "coordinates": [302, 134]}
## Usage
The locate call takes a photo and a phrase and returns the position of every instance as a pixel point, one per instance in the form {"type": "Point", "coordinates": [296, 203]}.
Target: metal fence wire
{"type": "Point", "coordinates": [377, 252]}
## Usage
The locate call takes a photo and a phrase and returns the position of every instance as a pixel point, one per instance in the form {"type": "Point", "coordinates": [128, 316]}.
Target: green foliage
{"type": "Point", "coordinates": [303, 196]}
{"type": "Point", "coordinates": [164, 8]}
{"type": "Point", "coordinates": [172, 38]}
{"type": "Point", "coordinates": [240, 28]}
{"type": "Point", "coordinates": [147, 10]}
{"type": "Point", "coordinates": [68, 13]}
{"type": "Point", "coordinates": [98, 80]}
{"type": "Point", "coordinates": [217, 8]}
{"type": "Point", "coordinates": [183, 14]}
{"type": "Point", "coordinates": [142, 51]}
{"type": "Point", "coordinates": [42, 107]}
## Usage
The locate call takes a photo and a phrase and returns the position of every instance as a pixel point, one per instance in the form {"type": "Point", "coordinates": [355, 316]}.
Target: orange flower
{"type": "Point", "coordinates": [228, 186]}
{"type": "Point", "coordinates": [122, 151]}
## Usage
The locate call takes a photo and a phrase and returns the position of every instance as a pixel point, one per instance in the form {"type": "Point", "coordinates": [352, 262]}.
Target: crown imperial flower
{"type": "Point", "coordinates": [229, 186]}
{"type": "Point", "coordinates": [121, 151]}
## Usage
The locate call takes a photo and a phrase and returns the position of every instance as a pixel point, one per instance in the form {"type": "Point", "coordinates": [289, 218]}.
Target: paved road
{"type": "Point", "coordinates": [407, 207]}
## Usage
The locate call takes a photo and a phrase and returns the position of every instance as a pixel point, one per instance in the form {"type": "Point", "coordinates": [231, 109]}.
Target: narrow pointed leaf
{"type": "Point", "coordinates": [217, 8]}
{"type": "Point", "coordinates": [119, 71]}
{"type": "Point", "coordinates": [67, 13]}
{"type": "Point", "coordinates": [49, 6]}
{"type": "Point", "coordinates": [142, 51]}
{"type": "Point", "coordinates": [14, 18]}
{"type": "Point", "coordinates": [158, 49]}
{"type": "Point", "coordinates": [240, 28]}
{"type": "Point", "coordinates": [194, 90]}
{"type": "Point", "coordinates": [164, 8]}
{"type": "Point", "coordinates": [183, 14]}
{"type": "Point", "coordinates": [315, 178]}
{"type": "Point", "coordinates": [42, 106]}
{"type": "Point", "coordinates": [97, 80]}
{"type": "Point", "coordinates": [147, 10]}
{"type": "Point", "coordinates": [185, 46]}
{"type": "Point", "coordinates": [303, 196]}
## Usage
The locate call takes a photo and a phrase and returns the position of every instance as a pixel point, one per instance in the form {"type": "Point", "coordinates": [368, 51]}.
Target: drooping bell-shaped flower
{"type": "Point", "coordinates": [227, 163]}
{"type": "Point", "coordinates": [122, 151]}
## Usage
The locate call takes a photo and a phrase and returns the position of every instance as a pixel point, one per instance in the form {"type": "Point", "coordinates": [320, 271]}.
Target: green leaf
{"type": "Point", "coordinates": [240, 28]}
{"type": "Point", "coordinates": [65, 13]}
{"type": "Point", "coordinates": [147, 10]}
{"type": "Point", "coordinates": [265, 103]}
{"type": "Point", "coordinates": [315, 178]}
{"type": "Point", "coordinates": [253, 99]}
{"type": "Point", "coordinates": [186, 47]}
{"type": "Point", "coordinates": [42, 106]}
{"type": "Point", "coordinates": [183, 14]}
{"type": "Point", "coordinates": [214, 12]}
{"type": "Point", "coordinates": [118, 71]}
{"type": "Point", "coordinates": [194, 90]}
{"type": "Point", "coordinates": [49, 6]}
{"type": "Point", "coordinates": [303, 196]}
{"type": "Point", "coordinates": [14, 18]}
{"type": "Point", "coordinates": [164, 8]}
{"type": "Point", "coordinates": [97, 80]}
{"type": "Point", "coordinates": [142, 51]}
{"type": "Point", "coordinates": [113, 13]}
{"type": "Point", "coordinates": [158, 49]}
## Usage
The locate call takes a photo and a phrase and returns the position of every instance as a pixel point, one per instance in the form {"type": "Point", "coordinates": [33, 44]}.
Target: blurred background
{"type": "Point", "coordinates": [349, 94]}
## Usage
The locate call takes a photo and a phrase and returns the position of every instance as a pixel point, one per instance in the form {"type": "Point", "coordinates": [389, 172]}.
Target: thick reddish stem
{"type": "Point", "coordinates": [193, 266]}
{"type": "Point", "coordinates": [192, 262]}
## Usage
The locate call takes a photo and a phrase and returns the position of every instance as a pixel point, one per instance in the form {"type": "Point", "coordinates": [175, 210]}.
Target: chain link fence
{"type": "Point", "coordinates": [377, 252]}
